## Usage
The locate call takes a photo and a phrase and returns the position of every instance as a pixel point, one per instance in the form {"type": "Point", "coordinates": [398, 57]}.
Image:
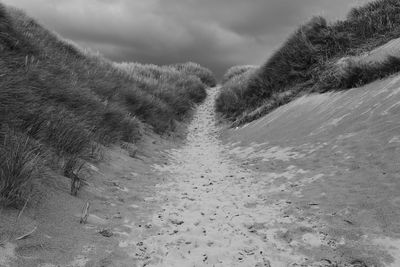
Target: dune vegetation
{"type": "Point", "coordinates": [308, 62]}
{"type": "Point", "coordinates": [175, 89]}
{"type": "Point", "coordinates": [237, 71]}
{"type": "Point", "coordinates": [191, 68]}
{"type": "Point", "coordinates": [60, 104]}
{"type": "Point", "coordinates": [234, 84]}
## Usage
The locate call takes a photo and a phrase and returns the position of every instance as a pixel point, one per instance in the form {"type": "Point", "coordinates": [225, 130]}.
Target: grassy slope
{"type": "Point", "coordinates": [60, 102]}
{"type": "Point", "coordinates": [237, 71]}
{"type": "Point", "coordinates": [309, 54]}
{"type": "Point", "coordinates": [234, 84]}
{"type": "Point", "coordinates": [164, 82]}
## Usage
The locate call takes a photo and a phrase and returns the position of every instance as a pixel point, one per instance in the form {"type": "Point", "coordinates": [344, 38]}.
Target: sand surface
{"type": "Point", "coordinates": [287, 199]}
{"type": "Point", "coordinates": [119, 189]}
{"type": "Point", "coordinates": [214, 211]}
{"type": "Point", "coordinates": [335, 158]}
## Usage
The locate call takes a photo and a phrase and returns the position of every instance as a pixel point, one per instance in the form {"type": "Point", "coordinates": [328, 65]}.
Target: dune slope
{"type": "Point", "coordinates": [333, 161]}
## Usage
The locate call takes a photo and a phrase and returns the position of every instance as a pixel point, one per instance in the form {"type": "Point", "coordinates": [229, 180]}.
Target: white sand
{"type": "Point", "coordinates": [214, 212]}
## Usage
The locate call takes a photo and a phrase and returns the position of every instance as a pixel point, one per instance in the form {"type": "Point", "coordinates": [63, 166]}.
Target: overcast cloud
{"type": "Point", "coordinates": [215, 33]}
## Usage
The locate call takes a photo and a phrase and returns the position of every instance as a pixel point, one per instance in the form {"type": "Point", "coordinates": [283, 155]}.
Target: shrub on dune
{"type": "Point", "coordinates": [231, 94]}
{"type": "Point", "coordinates": [177, 89]}
{"type": "Point", "coordinates": [353, 74]}
{"type": "Point", "coordinates": [190, 68]}
{"type": "Point", "coordinates": [193, 87]}
{"type": "Point", "coordinates": [237, 70]}
{"type": "Point", "coordinates": [150, 107]}
{"type": "Point", "coordinates": [116, 124]}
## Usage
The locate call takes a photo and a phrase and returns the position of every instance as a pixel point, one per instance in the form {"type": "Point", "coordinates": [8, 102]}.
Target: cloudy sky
{"type": "Point", "coordinates": [215, 33]}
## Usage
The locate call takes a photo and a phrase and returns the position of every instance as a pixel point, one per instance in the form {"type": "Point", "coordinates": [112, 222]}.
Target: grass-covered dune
{"type": "Point", "coordinates": [307, 62]}
{"type": "Point", "coordinates": [191, 68]}
{"type": "Point", "coordinates": [233, 90]}
{"type": "Point", "coordinates": [177, 90]}
{"type": "Point", "coordinates": [237, 71]}
{"type": "Point", "coordinates": [59, 104]}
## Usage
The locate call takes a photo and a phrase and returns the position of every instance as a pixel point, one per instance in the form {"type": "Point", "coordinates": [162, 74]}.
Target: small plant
{"type": "Point", "coordinates": [72, 167]}
{"type": "Point", "coordinates": [19, 164]}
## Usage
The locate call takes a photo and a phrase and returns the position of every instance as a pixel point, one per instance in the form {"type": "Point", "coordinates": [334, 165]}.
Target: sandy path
{"type": "Point", "coordinates": [213, 209]}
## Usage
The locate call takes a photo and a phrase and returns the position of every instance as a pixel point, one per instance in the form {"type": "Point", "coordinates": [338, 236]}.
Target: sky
{"type": "Point", "coordinates": [215, 33]}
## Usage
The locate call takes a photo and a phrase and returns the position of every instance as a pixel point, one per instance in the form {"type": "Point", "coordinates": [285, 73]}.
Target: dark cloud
{"type": "Point", "coordinates": [215, 33]}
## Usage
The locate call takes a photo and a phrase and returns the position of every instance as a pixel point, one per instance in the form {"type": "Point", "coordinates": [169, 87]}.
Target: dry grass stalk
{"type": "Point", "coordinates": [85, 213]}
{"type": "Point", "coordinates": [27, 234]}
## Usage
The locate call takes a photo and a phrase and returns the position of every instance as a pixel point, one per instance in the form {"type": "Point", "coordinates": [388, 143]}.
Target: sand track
{"type": "Point", "coordinates": [214, 212]}
{"type": "Point", "coordinates": [292, 199]}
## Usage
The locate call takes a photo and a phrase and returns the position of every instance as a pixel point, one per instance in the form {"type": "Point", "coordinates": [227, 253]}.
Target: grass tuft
{"type": "Point", "coordinates": [19, 165]}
